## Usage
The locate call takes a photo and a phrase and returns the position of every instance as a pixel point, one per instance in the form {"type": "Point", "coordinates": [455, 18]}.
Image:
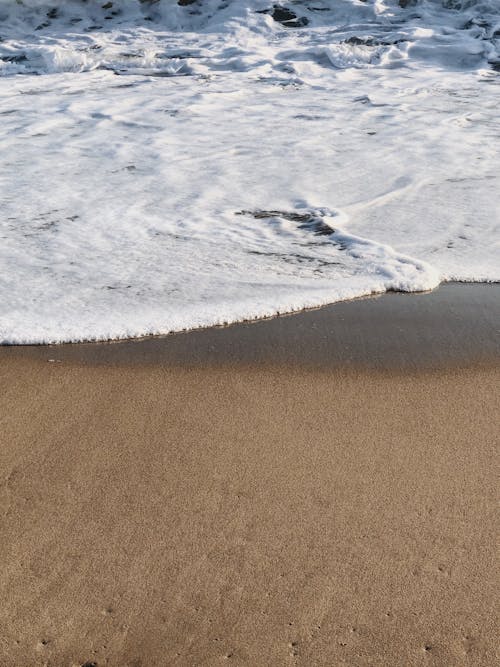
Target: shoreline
{"type": "Point", "coordinates": [458, 324]}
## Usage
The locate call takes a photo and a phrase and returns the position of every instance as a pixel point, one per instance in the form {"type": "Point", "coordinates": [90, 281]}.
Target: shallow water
{"type": "Point", "coordinates": [170, 167]}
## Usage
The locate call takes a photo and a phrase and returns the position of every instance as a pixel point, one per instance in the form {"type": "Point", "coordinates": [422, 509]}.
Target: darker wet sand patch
{"type": "Point", "coordinates": [456, 325]}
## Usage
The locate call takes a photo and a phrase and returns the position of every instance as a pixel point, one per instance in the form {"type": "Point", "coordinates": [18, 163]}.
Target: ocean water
{"type": "Point", "coordinates": [168, 166]}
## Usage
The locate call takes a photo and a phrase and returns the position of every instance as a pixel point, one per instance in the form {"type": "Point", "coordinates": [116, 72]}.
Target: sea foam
{"type": "Point", "coordinates": [169, 166]}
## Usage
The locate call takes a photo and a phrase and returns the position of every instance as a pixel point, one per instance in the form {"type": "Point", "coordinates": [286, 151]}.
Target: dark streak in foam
{"type": "Point", "coordinates": [309, 221]}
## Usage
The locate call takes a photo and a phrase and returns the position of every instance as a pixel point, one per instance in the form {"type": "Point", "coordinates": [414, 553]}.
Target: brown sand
{"type": "Point", "coordinates": [263, 515]}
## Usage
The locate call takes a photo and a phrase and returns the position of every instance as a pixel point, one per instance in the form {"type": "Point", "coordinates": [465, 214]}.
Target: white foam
{"type": "Point", "coordinates": [184, 171]}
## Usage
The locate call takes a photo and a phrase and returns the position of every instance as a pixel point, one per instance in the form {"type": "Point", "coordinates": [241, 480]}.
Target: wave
{"type": "Point", "coordinates": [155, 36]}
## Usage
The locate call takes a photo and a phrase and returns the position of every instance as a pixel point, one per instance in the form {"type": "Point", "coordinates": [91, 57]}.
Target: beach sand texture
{"type": "Point", "coordinates": [247, 514]}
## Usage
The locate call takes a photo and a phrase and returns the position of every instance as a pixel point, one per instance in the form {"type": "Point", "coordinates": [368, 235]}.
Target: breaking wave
{"type": "Point", "coordinates": [153, 36]}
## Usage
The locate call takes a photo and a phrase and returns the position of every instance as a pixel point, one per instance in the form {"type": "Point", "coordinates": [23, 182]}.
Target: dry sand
{"type": "Point", "coordinates": [247, 515]}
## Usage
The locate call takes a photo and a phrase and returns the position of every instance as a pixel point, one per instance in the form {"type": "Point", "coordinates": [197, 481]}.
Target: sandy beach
{"type": "Point", "coordinates": [267, 504]}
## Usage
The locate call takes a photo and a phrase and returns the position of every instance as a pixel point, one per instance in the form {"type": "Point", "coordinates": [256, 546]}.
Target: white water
{"type": "Point", "coordinates": [184, 171]}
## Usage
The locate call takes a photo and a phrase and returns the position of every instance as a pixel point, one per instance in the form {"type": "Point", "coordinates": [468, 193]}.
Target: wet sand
{"type": "Point", "coordinates": [457, 324]}
{"type": "Point", "coordinates": [255, 510]}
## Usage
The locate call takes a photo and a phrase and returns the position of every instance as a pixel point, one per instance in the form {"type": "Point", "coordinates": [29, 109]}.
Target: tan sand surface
{"type": "Point", "coordinates": [247, 516]}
